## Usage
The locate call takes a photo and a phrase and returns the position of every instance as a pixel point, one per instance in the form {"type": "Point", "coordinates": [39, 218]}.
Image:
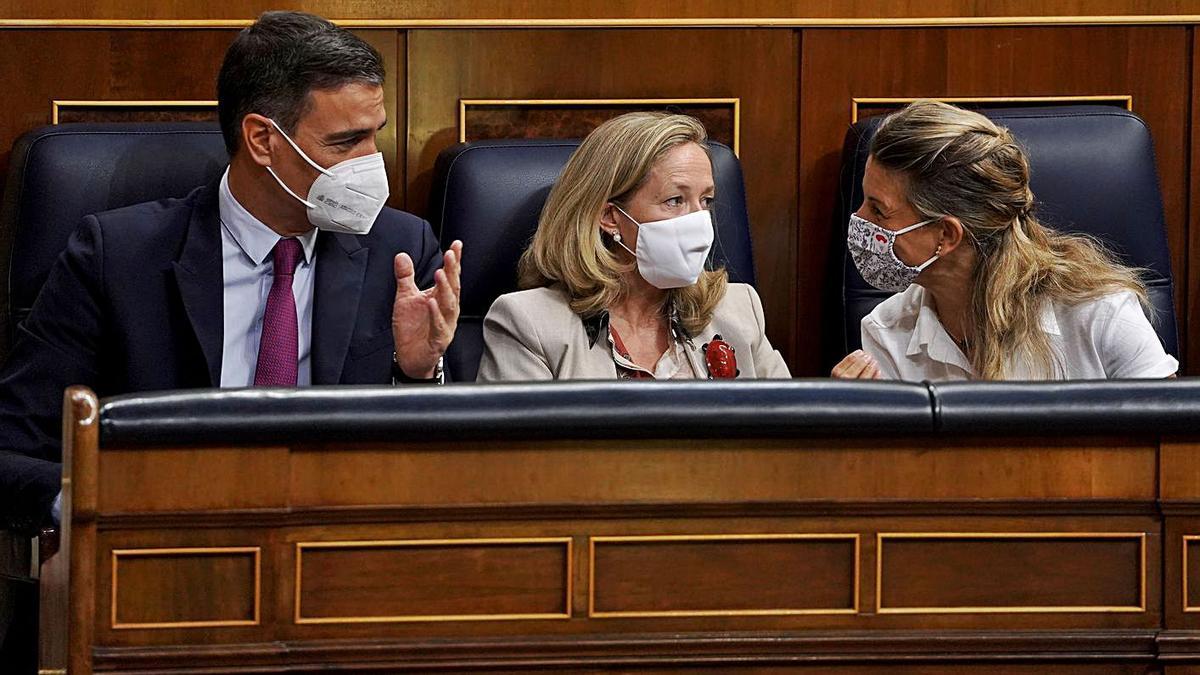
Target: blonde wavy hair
{"type": "Point", "coordinates": [959, 163]}
{"type": "Point", "coordinates": [609, 166]}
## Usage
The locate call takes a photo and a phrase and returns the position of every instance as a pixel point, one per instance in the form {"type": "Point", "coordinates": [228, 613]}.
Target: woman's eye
{"type": "Point", "coordinates": [674, 201]}
{"type": "Point", "coordinates": [708, 201]}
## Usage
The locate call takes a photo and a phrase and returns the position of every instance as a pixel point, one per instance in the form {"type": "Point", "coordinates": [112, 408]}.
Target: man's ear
{"type": "Point", "coordinates": [951, 236]}
{"type": "Point", "coordinates": [256, 138]}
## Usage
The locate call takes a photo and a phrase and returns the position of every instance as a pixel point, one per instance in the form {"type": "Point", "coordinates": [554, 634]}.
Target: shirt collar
{"type": "Point", "coordinates": [930, 335]}
{"type": "Point", "coordinates": [597, 325]}
{"type": "Point", "coordinates": [252, 236]}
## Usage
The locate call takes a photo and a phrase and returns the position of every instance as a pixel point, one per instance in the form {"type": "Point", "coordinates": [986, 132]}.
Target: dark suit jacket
{"type": "Point", "coordinates": [135, 303]}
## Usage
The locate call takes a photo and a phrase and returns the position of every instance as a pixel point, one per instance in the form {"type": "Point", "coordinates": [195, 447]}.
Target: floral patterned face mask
{"type": "Point", "coordinates": [873, 250]}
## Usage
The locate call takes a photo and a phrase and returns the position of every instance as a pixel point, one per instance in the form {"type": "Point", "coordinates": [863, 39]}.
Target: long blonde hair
{"type": "Point", "coordinates": [959, 163]}
{"type": "Point", "coordinates": [609, 166]}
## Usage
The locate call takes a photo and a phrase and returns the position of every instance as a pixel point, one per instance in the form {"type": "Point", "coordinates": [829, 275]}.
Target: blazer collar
{"type": "Point", "coordinates": [336, 292]}
{"type": "Point", "coordinates": [200, 278]}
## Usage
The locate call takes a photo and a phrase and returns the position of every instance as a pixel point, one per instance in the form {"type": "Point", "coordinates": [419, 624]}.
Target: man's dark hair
{"type": "Point", "coordinates": [273, 65]}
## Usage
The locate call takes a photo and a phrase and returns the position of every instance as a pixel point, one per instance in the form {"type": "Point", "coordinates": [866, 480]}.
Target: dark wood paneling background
{"type": "Point", "coordinates": [795, 84]}
{"type": "Point", "coordinates": [589, 9]}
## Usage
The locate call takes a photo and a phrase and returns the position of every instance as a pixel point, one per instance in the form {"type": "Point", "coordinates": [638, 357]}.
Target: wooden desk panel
{"type": "Point", "coordinates": [750, 555]}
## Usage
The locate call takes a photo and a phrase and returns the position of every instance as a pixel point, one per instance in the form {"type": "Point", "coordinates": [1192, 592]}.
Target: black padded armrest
{"type": "Point", "coordinates": [519, 411]}
{"type": "Point", "coordinates": [1136, 407]}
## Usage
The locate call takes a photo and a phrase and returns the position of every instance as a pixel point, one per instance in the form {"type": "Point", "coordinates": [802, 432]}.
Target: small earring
{"type": "Point", "coordinates": [616, 237]}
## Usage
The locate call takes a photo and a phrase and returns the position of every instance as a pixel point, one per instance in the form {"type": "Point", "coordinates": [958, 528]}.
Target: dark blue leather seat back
{"type": "Point", "coordinates": [1093, 172]}
{"type": "Point", "coordinates": [490, 194]}
{"type": "Point", "coordinates": [59, 174]}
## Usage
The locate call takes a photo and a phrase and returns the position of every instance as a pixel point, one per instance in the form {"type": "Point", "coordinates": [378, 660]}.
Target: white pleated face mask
{"type": "Point", "coordinates": [671, 253]}
{"type": "Point", "coordinates": [347, 197]}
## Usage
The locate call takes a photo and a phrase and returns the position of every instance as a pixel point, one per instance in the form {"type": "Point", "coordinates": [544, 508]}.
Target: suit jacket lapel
{"type": "Point", "coordinates": [341, 269]}
{"type": "Point", "coordinates": [200, 278]}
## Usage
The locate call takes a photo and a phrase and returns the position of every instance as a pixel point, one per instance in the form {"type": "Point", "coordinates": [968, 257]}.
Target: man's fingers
{"type": "Point", "coordinates": [447, 299]}
{"type": "Point", "coordinates": [403, 268]}
{"type": "Point", "coordinates": [452, 265]}
{"type": "Point", "coordinates": [439, 331]}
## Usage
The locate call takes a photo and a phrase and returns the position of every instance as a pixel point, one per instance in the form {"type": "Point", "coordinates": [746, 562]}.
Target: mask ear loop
{"type": "Point", "coordinates": [617, 236]}
{"type": "Point", "coordinates": [306, 158]}
{"type": "Point", "coordinates": [300, 152]}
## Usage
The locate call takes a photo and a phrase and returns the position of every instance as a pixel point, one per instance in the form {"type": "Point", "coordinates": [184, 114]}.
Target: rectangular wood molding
{"type": "Point", "coordinates": [186, 587]}
{"type": "Point", "coordinates": [723, 575]}
{"type": "Point", "coordinates": [1010, 572]}
{"type": "Point", "coordinates": [392, 581]}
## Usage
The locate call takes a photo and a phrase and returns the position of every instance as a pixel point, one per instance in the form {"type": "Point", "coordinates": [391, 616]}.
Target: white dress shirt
{"type": "Point", "coordinates": [248, 265]}
{"type": "Point", "coordinates": [1105, 338]}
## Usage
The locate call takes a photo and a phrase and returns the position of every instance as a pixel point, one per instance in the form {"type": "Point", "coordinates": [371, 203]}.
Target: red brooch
{"type": "Point", "coordinates": [720, 358]}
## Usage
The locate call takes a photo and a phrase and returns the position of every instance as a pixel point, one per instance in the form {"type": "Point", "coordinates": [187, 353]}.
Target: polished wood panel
{"type": "Point", "coordinates": [1149, 63]}
{"type": "Point", "coordinates": [699, 470]}
{"type": "Point", "coordinates": [1011, 572]}
{"type": "Point", "coordinates": [210, 478]}
{"type": "Point", "coordinates": [447, 66]}
{"type": "Point", "coordinates": [481, 120]}
{"type": "Point", "coordinates": [208, 587]}
{"type": "Point", "coordinates": [69, 112]}
{"type": "Point", "coordinates": [582, 9]}
{"type": "Point", "coordinates": [432, 580]}
{"type": "Point", "coordinates": [1179, 477]}
{"type": "Point", "coordinates": [1190, 313]}
{"type": "Point", "coordinates": [697, 575]}
{"type": "Point", "coordinates": [463, 564]}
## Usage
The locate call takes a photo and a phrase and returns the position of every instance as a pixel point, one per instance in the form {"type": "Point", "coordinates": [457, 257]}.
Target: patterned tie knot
{"type": "Point", "coordinates": [287, 255]}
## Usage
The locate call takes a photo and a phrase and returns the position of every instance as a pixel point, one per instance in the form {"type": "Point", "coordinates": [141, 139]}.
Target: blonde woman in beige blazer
{"type": "Point", "coordinates": [614, 279]}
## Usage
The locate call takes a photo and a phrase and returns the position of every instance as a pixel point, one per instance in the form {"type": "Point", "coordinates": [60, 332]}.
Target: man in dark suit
{"type": "Point", "coordinates": [193, 292]}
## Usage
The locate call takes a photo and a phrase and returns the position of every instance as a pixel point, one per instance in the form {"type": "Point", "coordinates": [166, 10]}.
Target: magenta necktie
{"type": "Point", "coordinates": [279, 348]}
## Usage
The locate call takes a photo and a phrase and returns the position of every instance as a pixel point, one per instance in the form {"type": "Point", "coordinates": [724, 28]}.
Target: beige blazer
{"type": "Point", "coordinates": [534, 335]}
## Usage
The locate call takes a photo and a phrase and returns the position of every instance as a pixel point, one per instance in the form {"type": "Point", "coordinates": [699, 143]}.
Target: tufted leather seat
{"type": "Point", "coordinates": [59, 174]}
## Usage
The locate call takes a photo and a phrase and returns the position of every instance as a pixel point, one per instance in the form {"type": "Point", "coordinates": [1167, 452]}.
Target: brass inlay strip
{"type": "Point", "coordinates": [1048, 609]}
{"type": "Point", "coordinates": [465, 103]}
{"type": "Point", "coordinates": [410, 618]}
{"type": "Point", "coordinates": [592, 613]}
{"type": "Point", "coordinates": [1188, 538]}
{"type": "Point", "coordinates": [858, 101]}
{"type": "Point", "coordinates": [151, 552]}
{"type": "Point", "coordinates": [60, 104]}
{"type": "Point", "coordinates": [671, 22]}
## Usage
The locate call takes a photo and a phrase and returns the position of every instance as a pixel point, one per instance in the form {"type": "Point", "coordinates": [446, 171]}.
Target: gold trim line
{"type": "Point", "coordinates": [414, 618]}
{"type": "Point", "coordinates": [783, 611]}
{"type": "Point", "coordinates": [858, 101]}
{"type": "Point", "coordinates": [58, 104]}
{"type": "Point", "coordinates": [1187, 538]}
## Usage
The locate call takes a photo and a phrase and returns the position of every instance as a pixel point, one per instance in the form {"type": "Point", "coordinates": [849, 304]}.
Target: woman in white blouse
{"type": "Point", "coordinates": [984, 291]}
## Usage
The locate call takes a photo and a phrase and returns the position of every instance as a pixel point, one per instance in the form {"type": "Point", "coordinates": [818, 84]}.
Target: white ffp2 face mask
{"type": "Point", "coordinates": [671, 253]}
{"type": "Point", "coordinates": [873, 249]}
{"type": "Point", "coordinates": [346, 197]}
